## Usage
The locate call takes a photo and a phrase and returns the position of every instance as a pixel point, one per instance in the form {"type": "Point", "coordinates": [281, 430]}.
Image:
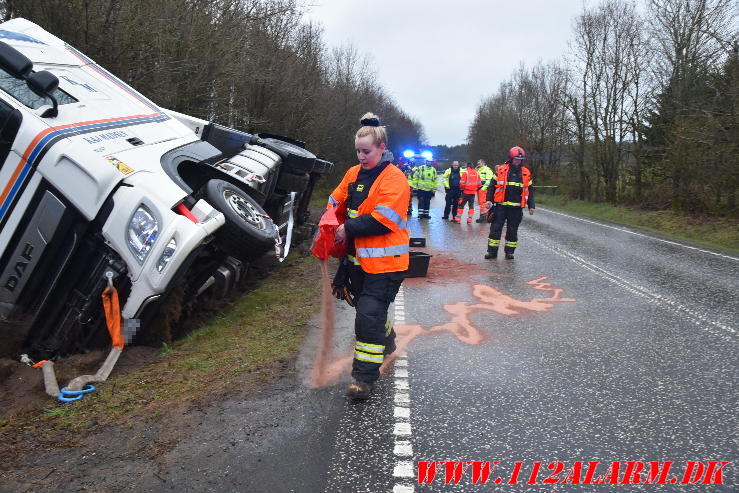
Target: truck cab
{"type": "Point", "coordinates": [99, 186]}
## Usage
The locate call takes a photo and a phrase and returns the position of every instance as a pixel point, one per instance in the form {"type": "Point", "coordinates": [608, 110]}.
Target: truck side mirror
{"type": "Point", "coordinates": [14, 62]}
{"type": "Point", "coordinates": [44, 84]}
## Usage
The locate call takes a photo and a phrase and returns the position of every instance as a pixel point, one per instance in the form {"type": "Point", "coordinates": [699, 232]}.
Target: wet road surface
{"type": "Point", "coordinates": [597, 343]}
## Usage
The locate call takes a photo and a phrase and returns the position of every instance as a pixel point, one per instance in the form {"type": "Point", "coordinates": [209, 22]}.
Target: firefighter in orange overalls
{"type": "Point", "coordinates": [469, 184]}
{"type": "Point", "coordinates": [512, 192]}
{"type": "Point", "coordinates": [376, 195]}
{"type": "Point", "coordinates": [486, 175]}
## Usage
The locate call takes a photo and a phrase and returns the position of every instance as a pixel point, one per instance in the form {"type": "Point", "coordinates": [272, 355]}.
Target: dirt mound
{"type": "Point", "coordinates": [22, 387]}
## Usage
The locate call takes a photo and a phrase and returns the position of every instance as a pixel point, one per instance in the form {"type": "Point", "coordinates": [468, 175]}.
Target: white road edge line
{"type": "Point", "coordinates": [641, 234]}
{"type": "Point", "coordinates": [402, 431]}
{"type": "Point", "coordinates": [694, 316]}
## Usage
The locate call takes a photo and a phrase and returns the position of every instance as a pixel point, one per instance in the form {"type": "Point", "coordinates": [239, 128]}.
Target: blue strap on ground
{"type": "Point", "coordinates": [66, 395]}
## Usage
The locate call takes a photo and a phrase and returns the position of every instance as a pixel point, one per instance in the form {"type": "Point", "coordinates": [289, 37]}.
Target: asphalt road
{"type": "Point", "coordinates": [625, 352]}
{"type": "Point", "coordinates": [597, 343]}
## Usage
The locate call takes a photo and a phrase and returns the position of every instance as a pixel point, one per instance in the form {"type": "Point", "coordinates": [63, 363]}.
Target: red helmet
{"type": "Point", "coordinates": [517, 152]}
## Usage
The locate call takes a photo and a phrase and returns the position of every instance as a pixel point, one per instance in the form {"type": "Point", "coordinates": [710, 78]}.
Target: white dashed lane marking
{"type": "Point", "coordinates": [402, 412]}
{"type": "Point", "coordinates": [403, 469]}
{"type": "Point", "coordinates": [403, 448]}
{"type": "Point", "coordinates": [402, 430]}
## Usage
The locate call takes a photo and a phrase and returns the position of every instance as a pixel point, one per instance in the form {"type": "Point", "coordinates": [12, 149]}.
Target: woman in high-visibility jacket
{"type": "Point", "coordinates": [512, 192]}
{"type": "Point", "coordinates": [376, 195]}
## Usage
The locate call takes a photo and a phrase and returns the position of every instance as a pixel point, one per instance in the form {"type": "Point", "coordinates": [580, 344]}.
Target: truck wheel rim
{"type": "Point", "coordinates": [244, 209]}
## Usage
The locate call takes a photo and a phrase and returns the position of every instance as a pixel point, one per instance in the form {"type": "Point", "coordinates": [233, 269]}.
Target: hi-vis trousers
{"type": "Point", "coordinates": [511, 216]}
{"type": "Point", "coordinates": [469, 199]}
{"type": "Point", "coordinates": [372, 327]}
{"type": "Point", "coordinates": [481, 198]}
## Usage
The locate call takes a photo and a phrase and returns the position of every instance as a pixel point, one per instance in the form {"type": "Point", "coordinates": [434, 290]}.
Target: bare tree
{"type": "Point", "coordinates": [692, 39]}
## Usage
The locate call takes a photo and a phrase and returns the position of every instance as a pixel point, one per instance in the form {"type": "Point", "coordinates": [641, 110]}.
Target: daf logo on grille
{"type": "Point", "coordinates": [20, 267]}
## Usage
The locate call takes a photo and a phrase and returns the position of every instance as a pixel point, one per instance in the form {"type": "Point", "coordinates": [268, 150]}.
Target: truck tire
{"type": "Point", "coordinates": [247, 233]}
{"type": "Point", "coordinates": [291, 182]}
{"type": "Point", "coordinates": [294, 157]}
{"type": "Point", "coordinates": [322, 166]}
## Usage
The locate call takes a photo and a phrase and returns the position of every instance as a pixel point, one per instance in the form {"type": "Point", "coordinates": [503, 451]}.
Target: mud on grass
{"type": "Point", "coordinates": [252, 340]}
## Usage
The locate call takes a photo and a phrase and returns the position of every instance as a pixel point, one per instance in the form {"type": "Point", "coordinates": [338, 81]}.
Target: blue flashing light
{"type": "Point", "coordinates": [408, 154]}
{"type": "Point", "coordinates": [427, 155]}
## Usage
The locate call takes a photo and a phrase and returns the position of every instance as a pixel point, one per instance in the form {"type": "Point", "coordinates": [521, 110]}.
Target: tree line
{"type": "Point", "coordinates": [254, 65]}
{"type": "Point", "coordinates": [642, 110]}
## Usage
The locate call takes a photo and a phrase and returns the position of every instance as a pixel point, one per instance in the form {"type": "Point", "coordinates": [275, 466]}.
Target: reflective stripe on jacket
{"type": "Point", "coordinates": [470, 182]}
{"type": "Point", "coordinates": [387, 202]}
{"type": "Point", "coordinates": [502, 183]}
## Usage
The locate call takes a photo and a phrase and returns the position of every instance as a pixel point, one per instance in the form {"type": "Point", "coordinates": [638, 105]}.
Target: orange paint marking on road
{"type": "Point", "coordinates": [460, 325]}
{"type": "Point", "coordinates": [547, 286]}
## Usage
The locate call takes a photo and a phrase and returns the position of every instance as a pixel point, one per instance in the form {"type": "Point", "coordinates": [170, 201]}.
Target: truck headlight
{"type": "Point", "coordinates": [167, 254]}
{"type": "Point", "coordinates": [142, 232]}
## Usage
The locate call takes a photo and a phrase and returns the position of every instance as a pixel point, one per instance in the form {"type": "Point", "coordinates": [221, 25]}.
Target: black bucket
{"type": "Point", "coordinates": [418, 265]}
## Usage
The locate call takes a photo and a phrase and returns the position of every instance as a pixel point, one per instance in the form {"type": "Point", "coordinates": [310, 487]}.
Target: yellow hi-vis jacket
{"type": "Point", "coordinates": [425, 178]}
{"type": "Point", "coordinates": [486, 175]}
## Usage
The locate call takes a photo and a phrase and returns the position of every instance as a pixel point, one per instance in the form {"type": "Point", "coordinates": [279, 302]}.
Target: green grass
{"type": "Point", "coordinates": [320, 194]}
{"type": "Point", "coordinates": [721, 233]}
{"type": "Point", "coordinates": [263, 327]}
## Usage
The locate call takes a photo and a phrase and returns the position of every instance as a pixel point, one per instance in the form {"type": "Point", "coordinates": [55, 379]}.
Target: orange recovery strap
{"type": "Point", "coordinates": [112, 309]}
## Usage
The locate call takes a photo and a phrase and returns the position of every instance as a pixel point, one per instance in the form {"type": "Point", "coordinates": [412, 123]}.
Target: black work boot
{"type": "Point", "coordinates": [481, 219]}
{"type": "Point", "coordinates": [491, 255]}
{"type": "Point", "coordinates": [508, 256]}
{"type": "Point", "coordinates": [359, 390]}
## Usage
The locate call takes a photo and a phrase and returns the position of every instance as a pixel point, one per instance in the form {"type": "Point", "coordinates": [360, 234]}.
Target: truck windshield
{"type": "Point", "coordinates": [20, 91]}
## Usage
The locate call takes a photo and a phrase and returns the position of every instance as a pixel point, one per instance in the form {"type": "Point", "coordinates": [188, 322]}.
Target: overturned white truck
{"type": "Point", "coordinates": [99, 184]}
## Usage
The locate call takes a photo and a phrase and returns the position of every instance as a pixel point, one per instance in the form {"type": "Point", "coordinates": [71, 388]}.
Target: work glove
{"type": "Point", "coordinates": [490, 216]}
{"type": "Point", "coordinates": [341, 285]}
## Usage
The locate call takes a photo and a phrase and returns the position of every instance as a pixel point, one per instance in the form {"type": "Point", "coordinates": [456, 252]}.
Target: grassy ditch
{"type": "Point", "coordinates": [320, 195]}
{"type": "Point", "coordinates": [259, 330]}
{"type": "Point", "coordinates": [721, 233]}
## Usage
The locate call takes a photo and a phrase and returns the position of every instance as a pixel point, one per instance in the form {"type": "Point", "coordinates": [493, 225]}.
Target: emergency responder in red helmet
{"type": "Point", "coordinates": [376, 195]}
{"type": "Point", "coordinates": [511, 193]}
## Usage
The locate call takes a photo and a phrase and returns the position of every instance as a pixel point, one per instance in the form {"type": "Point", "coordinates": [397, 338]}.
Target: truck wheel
{"type": "Point", "coordinates": [294, 157]}
{"type": "Point", "coordinates": [247, 233]}
{"type": "Point", "coordinates": [322, 166]}
{"type": "Point", "coordinates": [291, 182]}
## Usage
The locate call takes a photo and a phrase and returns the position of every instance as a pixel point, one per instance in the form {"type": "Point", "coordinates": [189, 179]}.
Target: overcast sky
{"type": "Point", "coordinates": [438, 59]}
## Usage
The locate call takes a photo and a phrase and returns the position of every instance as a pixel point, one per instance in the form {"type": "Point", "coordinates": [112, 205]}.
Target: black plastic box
{"type": "Point", "coordinates": [417, 242]}
{"type": "Point", "coordinates": [418, 265]}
